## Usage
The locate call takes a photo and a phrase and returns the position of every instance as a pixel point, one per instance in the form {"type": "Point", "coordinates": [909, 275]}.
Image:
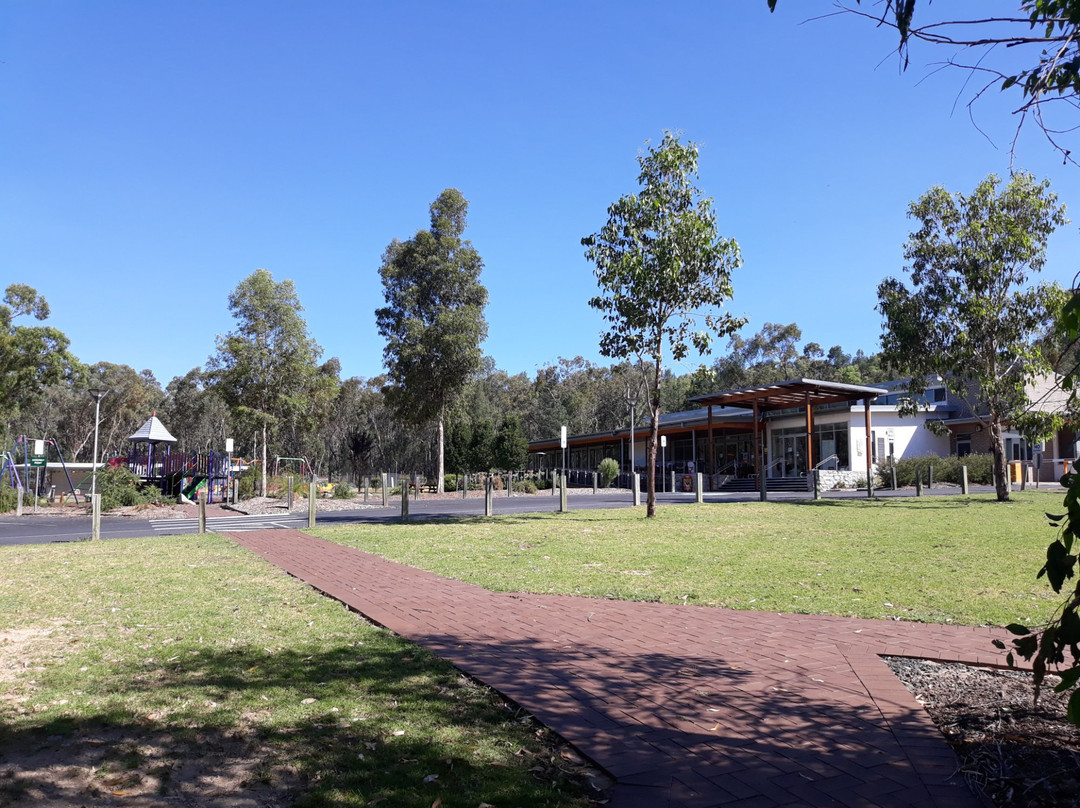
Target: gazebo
{"type": "Point", "coordinates": [150, 463]}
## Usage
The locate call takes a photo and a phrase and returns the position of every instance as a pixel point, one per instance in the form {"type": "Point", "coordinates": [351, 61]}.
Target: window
{"type": "Point", "coordinates": [963, 444]}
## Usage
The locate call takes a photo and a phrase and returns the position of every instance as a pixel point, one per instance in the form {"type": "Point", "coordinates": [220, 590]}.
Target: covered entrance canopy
{"type": "Point", "coordinates": [796, 394]}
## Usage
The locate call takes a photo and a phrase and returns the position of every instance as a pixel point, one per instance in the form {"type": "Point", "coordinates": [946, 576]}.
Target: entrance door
{"type": "Point", "coordinates": [792, 456]}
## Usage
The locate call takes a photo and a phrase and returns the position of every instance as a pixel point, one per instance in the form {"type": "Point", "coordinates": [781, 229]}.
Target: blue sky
{"type": "Point", "coordinates": [152, 155]}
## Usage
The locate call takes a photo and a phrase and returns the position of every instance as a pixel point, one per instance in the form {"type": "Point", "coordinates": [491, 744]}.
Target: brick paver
{"type": "Point", "coordinates": [685, 706]}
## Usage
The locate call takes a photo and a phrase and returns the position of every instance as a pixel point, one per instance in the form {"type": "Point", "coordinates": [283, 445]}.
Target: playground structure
{"type": "Point", "coordinates": [177, 474]}
{"type": "Point", "coordinates": [35, 459]}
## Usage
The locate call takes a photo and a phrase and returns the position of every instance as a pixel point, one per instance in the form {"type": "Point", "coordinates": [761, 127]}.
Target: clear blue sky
{"type": "Point", "coordinates": [152, 155]}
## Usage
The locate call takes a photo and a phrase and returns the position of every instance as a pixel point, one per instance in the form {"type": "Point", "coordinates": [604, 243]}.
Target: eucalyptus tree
{"type": "Point", "coordinates": [31, 357]}
{"type": "Point", "coordinates": [972, 315]}
{"type": "Point", "coordinates": [663, 273]}
{"type": "Point", "coordinates": [266, 368]}
{"type": "Point", "coordinates": [433, 320]}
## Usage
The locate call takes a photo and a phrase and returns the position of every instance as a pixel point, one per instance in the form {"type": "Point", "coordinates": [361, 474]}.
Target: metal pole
{"type": "Point", "coordinates": [97, 394]}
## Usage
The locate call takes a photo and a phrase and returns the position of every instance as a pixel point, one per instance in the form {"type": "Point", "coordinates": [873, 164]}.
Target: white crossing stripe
{"type": "Point", "coordinates": [219, 524]}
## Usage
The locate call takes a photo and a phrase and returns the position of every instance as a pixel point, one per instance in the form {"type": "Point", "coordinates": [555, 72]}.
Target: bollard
{"type": "Point", "coordinates": [367, 488]}
{"type": "Point", "coordinates": [930, 476]}
{"type": "Point", "coordinates": [1023, 481]}
{"type": "Point", "coordinates": [918, 482]}
{"type": "Point", "coordinates": [509, 483]}
{"type": "Point", "coordinates": [595, 482]}
{"type": "Point", "coordinates": [385, 488]}
{"type": "Point", "coordinates": [963, 480]}
{"type": "Point", "coordinates": [18, 501]}
{"type": "Point", "coordinates": [201, 496]}
{"type": "Point", "coordinates": [817, 483]}
{"type": "Point", "coordinates": [554, 484]}
{"type": "Point", "coordinates": [563, 508]}
{"type": "Point", "coordinates": [489, 497]}
{"type": "Point", "coordinates": [892, 464]}
{"type": "Point", "coordinates": [416, 483]}
{"type": "Point", "coordinates": [464, 486]}
{"type": "Point", "coordinates": [673, 488]}
{"type": "Point", "coordinates": [405, 500]}
{"type": "Point", "coordinates": [635, 483]}
{"type": "Point", "coordinates": [763, 487]}
{"type": "Point", "coordinates": [699, 487]}
{"type": "Point", "coordinates": [311, 503]}
{"type": "Point", "coordinates": [95, 520]}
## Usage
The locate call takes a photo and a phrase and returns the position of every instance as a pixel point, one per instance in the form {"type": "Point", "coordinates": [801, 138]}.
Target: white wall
{"type": "Point", "coordinates": [910, 438]}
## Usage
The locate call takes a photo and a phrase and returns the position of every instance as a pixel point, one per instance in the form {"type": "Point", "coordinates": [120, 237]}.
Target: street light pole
{"type": "Point", "coordinates": [97, 393]}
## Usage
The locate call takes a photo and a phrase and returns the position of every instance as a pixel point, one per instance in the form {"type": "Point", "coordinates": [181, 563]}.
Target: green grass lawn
{"type": "Point", "coordinates": [181, 665]}
{"type": "Point", "coordinates": [935, 559]}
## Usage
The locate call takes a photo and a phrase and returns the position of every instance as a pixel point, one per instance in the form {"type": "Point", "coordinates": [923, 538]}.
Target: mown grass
{"type": "Point", "coordinates": [195, 641]}
{"type": "Point", "coordinates": [967, 560]}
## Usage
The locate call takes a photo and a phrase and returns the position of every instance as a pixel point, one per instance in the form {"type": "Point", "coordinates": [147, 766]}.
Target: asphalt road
{"type": "Point", "coordinates": [43, 529]}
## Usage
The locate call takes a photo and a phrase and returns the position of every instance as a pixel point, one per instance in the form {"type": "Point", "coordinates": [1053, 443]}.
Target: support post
{"type": "Point", "coordinates": [635, 483]}
{"type": "Point", "coordinates": [699, 489]}
{"type": "Point", "coordinates": [595, 482]}
{"type": "Point", "coordinates": [405, 499]}
{"type": "Point", "coordinates": [489, 497]}
{"type": "Point", "coordinates": [288, 493]}
{"type": "Point", "coordinates": [963, 480]}
{"type": "Point", "coordinates": [869, 449]}
{"type": "Point", "coordinates": [367, 488]}
{"type": "Point", "coordinates": [202, 511]}
{"type": "Point", "coordinates": [712, 450]}
{"type": "Point", "coordinates": [385, 488]}
{"type": "Point", "coordinates": [95, 519]}
{"type": "Point", "coordinates": [311, 502]}
{"type": "Point", "coordinates": [563, 507]}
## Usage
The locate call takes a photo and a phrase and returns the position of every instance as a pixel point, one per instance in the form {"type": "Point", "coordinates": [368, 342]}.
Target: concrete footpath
{"type": "Point", "coordinates": [686, 707]}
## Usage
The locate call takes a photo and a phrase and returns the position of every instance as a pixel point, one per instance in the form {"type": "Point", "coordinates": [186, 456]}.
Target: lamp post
{"type": "Point", "coordinates": [96, 393]}
{"type": "Point", "coordinates": [631, 402]}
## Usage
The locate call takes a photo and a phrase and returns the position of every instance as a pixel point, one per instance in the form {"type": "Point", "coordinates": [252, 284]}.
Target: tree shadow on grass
{"type": "Point", "coordinates": [388, 724]}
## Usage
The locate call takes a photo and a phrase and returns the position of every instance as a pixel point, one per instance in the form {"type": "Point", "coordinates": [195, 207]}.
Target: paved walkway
{"type": "Point", "coordinates": [686, 707]}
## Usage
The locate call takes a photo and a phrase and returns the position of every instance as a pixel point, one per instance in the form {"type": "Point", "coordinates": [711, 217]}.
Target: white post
{"type": "Point", "coordinates": [95, 520]}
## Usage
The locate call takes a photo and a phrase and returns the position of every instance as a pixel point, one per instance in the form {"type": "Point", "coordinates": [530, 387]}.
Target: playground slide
{"type": "Point", "coordinates": [192, 489]}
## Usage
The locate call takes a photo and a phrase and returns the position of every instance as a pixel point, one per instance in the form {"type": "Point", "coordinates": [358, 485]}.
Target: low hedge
{"type": "Point", "coordinates": [945, 469]}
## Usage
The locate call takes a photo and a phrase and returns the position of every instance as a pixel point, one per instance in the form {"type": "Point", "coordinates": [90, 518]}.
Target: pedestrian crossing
{"type": "Point", "coordinates": [232, 524]}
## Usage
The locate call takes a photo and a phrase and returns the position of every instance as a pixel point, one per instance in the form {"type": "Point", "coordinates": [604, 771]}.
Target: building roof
{"type": "Point", "coordinates": [790, 394]}
{"type": "Point", "coordinates": [153, 431]}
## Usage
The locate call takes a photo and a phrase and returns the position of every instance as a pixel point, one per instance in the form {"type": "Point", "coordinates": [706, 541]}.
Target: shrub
{"type": "Point", "coordinates": [608, 471]}
{"type": "Point", "coordinates": [542, 485]}
{"type": "Point", "coordinates": [946, 469]}
{"type": "Point", "coordinates": [246, 483]}
{"type": "Point", "coordinates": [525, 487]}
{"type": "Point", "coordinates": [450, 482]}
{"type": "Point", "coordinates": [343, 491]}
{"type": "Point", "coordinates": [119, 487]}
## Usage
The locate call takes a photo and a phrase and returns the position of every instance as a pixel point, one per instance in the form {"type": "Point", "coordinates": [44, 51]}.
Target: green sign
{"type": "Point", "coordinates": [37, 460]}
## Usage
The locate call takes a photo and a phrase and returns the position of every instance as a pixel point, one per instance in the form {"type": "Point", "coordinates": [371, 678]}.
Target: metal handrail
{"type": "Point", "coordinates": [828, 459]}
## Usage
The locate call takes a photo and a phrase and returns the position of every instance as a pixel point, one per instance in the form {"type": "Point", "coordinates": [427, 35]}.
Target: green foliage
{"type": "Point", "coordinates": [9, 498]}
{"type": "Point", "coordinates": [246, 483]}
{"type": "Point", "coordinates": [433, 321]}
{"type": "Point", "coordinates": [343, 491]}
{"type": "Point", "coordinates": [972, 316]}
{"type": "Point", "coordinates": [119, 487]}
{"type": "Point", "coordinates": [510, 449]}
{"type": "Point", "coordinates": [525, 487]}
{"type": "Point", "coordinates": [663, 271]}
{"type": "Point", "coordinates": [451, 482]}
{"type": "Point", "coordinates": [482, 447]}
{"type": "Point", "coordinates": [608, 471]}
{"type": "Point", "coordinates": [946, 469]}
{"type": "Point", "coordinates": [31, 357]}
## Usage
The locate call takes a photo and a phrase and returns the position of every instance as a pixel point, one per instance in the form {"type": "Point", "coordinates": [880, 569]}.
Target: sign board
{"type": "Point", "coordinates": [229, 445]}
{"type": "Point", "coordinates": [663, 441]}
{"type": "Point", "coordinates": [37, 460]}
{"type": "Point", "coordinates": [562, 440]}
{"type": "Point", "coordinates": [39, 447]}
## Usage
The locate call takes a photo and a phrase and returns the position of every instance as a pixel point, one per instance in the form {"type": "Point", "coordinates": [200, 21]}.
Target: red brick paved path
{"type": "Point", "coordinates": [686, 707]}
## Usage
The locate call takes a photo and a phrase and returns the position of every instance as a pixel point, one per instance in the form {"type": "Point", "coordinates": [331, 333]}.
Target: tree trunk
{"type": "Point", "coordinates": [442, 456]}
{"type": "Point", "coordinates": [263, 491]}
{"type": "Point", "coordinates": [1001, 468]}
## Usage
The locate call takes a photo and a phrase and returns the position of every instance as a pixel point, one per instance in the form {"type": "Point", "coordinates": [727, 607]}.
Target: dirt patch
{"type": "Point", "coordinates": [1019, 754]}
{"type": "Point", "coordinates": [110, 767]}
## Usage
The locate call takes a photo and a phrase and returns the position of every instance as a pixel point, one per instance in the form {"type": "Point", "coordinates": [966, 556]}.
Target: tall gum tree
{"type": "Point", "coordinates": [663, 274]}
{"type": "Point", "coordinates": [266, 369]}
{"type": "Point", "coordinates": [433, 320]}
{"type": "Point", "coordinates": [972, 314]}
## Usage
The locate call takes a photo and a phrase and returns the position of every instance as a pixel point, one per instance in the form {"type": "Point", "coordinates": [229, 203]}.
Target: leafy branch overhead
{"type": "Point", "coordinates": [1036, 50]}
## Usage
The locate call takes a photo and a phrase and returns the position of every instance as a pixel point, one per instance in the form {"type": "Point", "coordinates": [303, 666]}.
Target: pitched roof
{"type": "Point", "coordinates": [153, 431]}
